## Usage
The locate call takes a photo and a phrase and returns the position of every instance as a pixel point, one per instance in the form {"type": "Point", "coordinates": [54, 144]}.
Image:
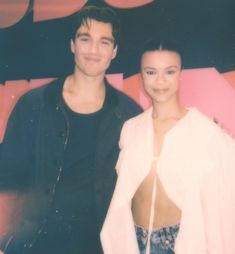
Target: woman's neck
{"type": "Point", "coordinates": [164, 112]}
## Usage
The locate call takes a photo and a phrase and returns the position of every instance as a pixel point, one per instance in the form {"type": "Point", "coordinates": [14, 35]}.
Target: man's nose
{"type": "Point", "coordinates": [94, 47]}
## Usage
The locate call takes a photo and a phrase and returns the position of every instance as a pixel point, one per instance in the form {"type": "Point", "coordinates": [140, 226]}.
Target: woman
{"type": "Point", "coordinates": [175, 191]}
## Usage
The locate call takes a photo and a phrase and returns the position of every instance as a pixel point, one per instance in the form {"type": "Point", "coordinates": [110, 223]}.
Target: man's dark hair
{"type": "Point", "coordinates": [161, 44]}
{"type": "Point", "coordinates": [101, 14]}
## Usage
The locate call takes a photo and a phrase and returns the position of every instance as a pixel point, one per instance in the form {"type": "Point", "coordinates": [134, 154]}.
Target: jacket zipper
{"type": "Point", "coordinates": [57, 179]}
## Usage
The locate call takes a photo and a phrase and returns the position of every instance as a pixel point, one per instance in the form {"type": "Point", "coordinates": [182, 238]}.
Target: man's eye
{"type": "Point", "coordinates": [106, 42]}
{"type": "Point", "coordinates": [83, 39]}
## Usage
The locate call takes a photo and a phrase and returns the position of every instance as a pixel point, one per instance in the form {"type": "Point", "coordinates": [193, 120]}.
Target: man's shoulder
{"type": "Point", "coordinates": [35, 95]}
{"type": "Point", "coordinates": [126, 103]}
{"type": "Point", "coordinates": [123, 97]}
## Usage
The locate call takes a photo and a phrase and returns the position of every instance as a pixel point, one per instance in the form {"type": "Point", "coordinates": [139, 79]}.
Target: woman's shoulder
{"type": "Point", "coordinates": [144, 117]}
{"type": "Point", "coordinates": [208, 125]}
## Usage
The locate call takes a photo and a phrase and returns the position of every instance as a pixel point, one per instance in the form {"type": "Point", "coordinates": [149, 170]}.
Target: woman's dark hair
{"type": "Point", "coordinates": [161, 44]}
{"type": "Point", "coordinates": [101, 14]}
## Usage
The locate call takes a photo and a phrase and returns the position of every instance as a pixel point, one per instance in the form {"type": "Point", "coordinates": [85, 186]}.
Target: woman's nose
{"type": "Point", "coordinates": [160, 78]}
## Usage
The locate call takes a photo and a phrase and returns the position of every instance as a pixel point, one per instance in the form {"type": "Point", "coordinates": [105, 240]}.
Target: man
{"type": "Point", "coordinates": [63, 140]}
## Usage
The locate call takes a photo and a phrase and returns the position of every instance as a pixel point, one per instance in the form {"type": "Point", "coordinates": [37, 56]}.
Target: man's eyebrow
{"type": "Point", "coordinates": [79, 34]}
{"type": "Point", "coordinates": [107, 38]}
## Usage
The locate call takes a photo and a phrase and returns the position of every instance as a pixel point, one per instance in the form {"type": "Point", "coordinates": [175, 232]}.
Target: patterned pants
{"type": "Point", "coordinates": [161, 241]}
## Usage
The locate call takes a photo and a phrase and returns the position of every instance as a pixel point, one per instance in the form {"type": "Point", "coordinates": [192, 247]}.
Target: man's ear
{"type": "Point", "coordinates": [72, 46]}
{"type": "Point", "coordinates": [115, 52]}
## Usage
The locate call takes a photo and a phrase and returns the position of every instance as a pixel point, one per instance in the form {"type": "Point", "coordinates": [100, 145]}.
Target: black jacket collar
{"type": "Point", "coordinates": [53, 94]}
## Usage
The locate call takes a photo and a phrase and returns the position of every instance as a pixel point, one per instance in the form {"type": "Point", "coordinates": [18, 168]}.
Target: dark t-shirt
{"type": "Point", "coordinates": [71, 226]}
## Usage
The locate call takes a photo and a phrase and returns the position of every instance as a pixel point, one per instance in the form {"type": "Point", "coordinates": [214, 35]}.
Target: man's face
{"type": "Point", "coordinates": [161, 71]}
{"type": "Point", "coordinates": [93, 48]}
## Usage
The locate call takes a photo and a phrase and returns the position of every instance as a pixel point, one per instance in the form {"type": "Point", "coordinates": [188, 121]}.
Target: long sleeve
{"type": "Point", "coordinates": [16, 158]}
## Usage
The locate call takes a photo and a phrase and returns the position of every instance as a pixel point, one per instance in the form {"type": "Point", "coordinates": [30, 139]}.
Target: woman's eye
{"type": "Point", "coordinates": [150, 72]}
{"type": "Point", "coordinates": [171, 72]}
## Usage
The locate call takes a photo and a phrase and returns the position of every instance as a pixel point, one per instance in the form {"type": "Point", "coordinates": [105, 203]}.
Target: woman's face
{"type": "Point", "coordinates": [160, 71]}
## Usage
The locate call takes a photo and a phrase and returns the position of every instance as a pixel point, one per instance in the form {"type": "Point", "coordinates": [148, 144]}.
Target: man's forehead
{"type": "Point", "coordinates": [92, 25]}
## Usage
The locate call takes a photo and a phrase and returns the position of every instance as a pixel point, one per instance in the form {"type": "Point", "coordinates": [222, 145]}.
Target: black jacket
{"type": "Point", "coordinates": [33, 149]}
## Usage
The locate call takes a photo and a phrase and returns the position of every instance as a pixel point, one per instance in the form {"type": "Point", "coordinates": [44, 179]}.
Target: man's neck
{"type": "Point", "coordinates": [80, 83]}
{"type": "Point", "coordinates": [84, 95]}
